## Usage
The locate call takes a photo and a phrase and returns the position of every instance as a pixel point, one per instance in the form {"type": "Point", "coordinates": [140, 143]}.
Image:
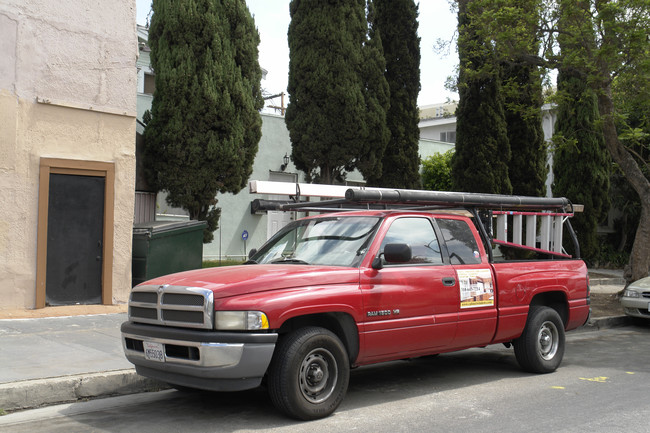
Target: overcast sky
{"type": "Point", "coordinates": [272, 20]}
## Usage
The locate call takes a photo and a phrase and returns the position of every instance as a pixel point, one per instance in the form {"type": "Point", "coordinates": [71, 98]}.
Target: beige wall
{"type": "Point", "coordinates": [67, 90]}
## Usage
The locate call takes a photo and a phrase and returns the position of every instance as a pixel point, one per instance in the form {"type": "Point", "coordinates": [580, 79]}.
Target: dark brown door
{"type": "Point", "coordinates": [75, 228]}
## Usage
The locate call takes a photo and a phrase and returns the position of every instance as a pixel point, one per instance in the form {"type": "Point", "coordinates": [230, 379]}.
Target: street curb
{"type": "Point", "coordinates": [596, 324]}
{"type": "Point", "coordinates": [29, 394]}
{"type": "Point", "coordinates": [611, 281]}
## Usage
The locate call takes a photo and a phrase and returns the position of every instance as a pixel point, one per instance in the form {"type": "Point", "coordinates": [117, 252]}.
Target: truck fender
{"type": "Point", "coordinates": [340, 323]}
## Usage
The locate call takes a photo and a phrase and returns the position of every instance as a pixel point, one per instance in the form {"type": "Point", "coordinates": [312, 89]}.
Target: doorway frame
{"type": "Point", "coordinates": [75, 168]}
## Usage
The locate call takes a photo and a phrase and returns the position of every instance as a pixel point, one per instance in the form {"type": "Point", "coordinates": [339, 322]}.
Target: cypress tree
{"type": "Point", "coordinates": [580, 160]}
{"type": "Point", "coordinates": [332, 117]}
{"type": "Point", "coordinates": [398, 26]}
{"type": "Point", "coordinates": [522, 84]}
{"type": "Point", "coordinates": [480, 162]}
{"type": "Point", "coordinates": [377, 100]}
{"type": "Point", "coordinates": [205, 124]}
{"type": "Point", "coordinates": [523, 115]}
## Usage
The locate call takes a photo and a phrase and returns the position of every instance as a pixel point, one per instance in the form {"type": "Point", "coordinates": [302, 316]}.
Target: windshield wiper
{"type": "Point", "coordinates": [290, 260]}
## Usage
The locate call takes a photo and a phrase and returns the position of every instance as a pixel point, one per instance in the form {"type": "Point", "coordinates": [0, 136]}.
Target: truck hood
{"type": "Point", "coordinates": [237, 280]}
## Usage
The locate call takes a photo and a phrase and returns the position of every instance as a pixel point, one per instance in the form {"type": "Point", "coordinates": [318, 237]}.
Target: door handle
{"type": "Point", "coordinates": [448, 281]}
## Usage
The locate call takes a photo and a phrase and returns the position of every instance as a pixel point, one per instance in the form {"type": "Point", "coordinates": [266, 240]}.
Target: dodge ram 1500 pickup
{"type": "Point", "coordinates": [334, 291]}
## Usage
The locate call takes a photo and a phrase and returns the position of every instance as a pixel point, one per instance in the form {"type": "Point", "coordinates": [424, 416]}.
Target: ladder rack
{"type": "Point", "coordinates": [537, 223]}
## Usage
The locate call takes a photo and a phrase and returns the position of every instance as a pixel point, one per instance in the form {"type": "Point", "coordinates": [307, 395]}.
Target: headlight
{"type": "Point", "coordinates": [240, 320]}
{"type": "Point", "coordinates": [630, 293]}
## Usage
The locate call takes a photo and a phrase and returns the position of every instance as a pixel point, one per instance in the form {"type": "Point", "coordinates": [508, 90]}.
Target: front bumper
{"type": "Point", "coordinates": [215, 361]}
{"type": "Point", "coordinates": [636, 307]}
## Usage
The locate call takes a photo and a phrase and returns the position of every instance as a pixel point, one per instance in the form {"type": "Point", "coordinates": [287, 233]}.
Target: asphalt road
{"type": "Point", "coordinates": [602, 386]}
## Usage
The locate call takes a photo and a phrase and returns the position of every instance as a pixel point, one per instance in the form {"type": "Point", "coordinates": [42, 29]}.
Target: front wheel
{"type": "Point", "coordinates": [309, 373]}
{"type": "Point", "coordinates": [541, 346]}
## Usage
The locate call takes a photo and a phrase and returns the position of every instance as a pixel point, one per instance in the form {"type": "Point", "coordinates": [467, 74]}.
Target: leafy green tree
{"type": "Point", "coordinates": [631, 93]}
{"type": "Point", "coordinates": [625, 27]}
{"type": "Point", "coordinates": [396, 21]}
{"type": "Point", "coordinates": [621, 31]}
{"type": "Point", "coordinates": [334, 114]}
{"type": "Point", "coordinates": [480, 163]}
{"type": "Point", "coordinates": [205, 124]}
{"type": "Point", "coordinates": [615, 36]}
{"type": "Point", "coordinates": [436, 172]}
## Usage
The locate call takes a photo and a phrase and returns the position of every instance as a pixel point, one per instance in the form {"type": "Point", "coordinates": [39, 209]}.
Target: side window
{"type": "Point", "coordinates": [419, 235]}
{"type": "Point", "coordinates": [460, 241]}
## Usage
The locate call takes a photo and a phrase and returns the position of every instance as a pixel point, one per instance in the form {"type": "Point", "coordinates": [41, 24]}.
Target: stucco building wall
{"type": "Point", "coordinates": [67, 90]}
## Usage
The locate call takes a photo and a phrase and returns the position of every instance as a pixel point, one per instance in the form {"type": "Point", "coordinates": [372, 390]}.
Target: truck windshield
{"type": "Point", "coordinates": [330, 241]}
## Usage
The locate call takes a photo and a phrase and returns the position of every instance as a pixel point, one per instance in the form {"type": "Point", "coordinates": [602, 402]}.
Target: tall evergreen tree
{"type": "Point", "coordinates": [522, 84]}
{"type": "Point", "coordinates": [580, 161]}
{"type": "Point", "coordinates": [332, 116]}
{"type": "Point", "coordinates": [398, 27]}
{"type": "Point", "coordinates": [377, 98]}
{"type": "Point", "coordinates": [523, 114]}
{"type": "Point", "coordinates": [205, 124]}
{"type": "Point", "coordinates": [480, 163]}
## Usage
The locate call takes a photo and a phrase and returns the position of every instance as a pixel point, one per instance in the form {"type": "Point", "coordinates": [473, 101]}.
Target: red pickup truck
{"type": "Point", "coordinates": [335, 291]}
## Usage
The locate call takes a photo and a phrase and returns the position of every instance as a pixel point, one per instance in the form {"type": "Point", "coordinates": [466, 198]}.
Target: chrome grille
{"type": "Point", "coordinates": [182, 299]}
{"type": "Point", "coordinates": [187, 307]}
{"type": "Point", "coordinates": [182, 316]}
{"type": "Point", "coordinates": [148, 297]}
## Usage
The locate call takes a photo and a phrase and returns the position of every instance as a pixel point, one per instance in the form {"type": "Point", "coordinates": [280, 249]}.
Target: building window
{"type": "Point", "coordinates": [448, 136]}
{"type": "Point", "coordinates": [149, 84]}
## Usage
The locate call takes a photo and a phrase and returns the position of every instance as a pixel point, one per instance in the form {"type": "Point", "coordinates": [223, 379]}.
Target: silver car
{"type": "Point", "coordinates": [636, 299]}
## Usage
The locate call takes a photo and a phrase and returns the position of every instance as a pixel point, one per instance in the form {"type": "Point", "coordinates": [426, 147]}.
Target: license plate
{"type": "Point", "coordinates": [154, 351]}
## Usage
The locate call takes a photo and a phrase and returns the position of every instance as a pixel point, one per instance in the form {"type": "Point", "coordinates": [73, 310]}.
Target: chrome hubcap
{"type": "Point", "coordinates": [548, 340]}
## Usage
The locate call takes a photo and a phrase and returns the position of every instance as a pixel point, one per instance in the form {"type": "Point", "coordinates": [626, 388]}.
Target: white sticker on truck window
{"type": "Point", "coordinates": [476, 288]}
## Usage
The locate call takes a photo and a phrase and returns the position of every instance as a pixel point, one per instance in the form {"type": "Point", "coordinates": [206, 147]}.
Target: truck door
{"type": "Point", "coordinates": [412, 307]}
{"type": "Point", "coordinates": [477, 307]}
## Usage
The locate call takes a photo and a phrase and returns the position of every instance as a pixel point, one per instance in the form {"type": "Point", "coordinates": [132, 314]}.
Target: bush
{"type": "Point", "coordinates": [436, 172]}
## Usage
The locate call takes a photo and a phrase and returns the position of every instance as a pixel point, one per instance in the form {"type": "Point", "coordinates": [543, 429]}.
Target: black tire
{"type": "Point", "coordinates": [309, 373]}
{"type": "Point", "coordinates": [540, 348]}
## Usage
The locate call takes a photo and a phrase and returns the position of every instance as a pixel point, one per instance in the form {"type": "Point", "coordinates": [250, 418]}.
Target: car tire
{"type": "Point", "coordinates": [309, 373]}
{"type": "Point", "coordinates": [540, 348]}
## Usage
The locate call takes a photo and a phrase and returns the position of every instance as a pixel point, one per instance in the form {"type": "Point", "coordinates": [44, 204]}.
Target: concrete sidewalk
{"type": "Point", "coordinates": [52, 360]}
{"type": "Point", "coordinates": [63, 359]}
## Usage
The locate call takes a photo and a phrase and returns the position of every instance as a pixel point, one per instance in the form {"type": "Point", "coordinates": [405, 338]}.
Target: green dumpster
{"type": "Point", "coordinates": [165, 247]}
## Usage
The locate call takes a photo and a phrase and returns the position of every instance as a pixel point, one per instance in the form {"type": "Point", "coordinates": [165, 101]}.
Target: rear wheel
{"type": "Point", "coordinates": [309, 373]}
{"type": "Point", "coordinates": [540, 348]}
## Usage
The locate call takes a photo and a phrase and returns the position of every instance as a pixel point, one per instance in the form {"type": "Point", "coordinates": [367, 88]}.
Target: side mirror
{"type": "Point", "coordinates": [397, 253]}
{"type": "Point", "coordinates": [252, 252]}
{"type": "Point", "coordinates": [393, 253]}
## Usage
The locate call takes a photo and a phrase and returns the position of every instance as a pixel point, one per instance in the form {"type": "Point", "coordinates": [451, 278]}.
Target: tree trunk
{"type": "Point", "coordinates": [640, 256]}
